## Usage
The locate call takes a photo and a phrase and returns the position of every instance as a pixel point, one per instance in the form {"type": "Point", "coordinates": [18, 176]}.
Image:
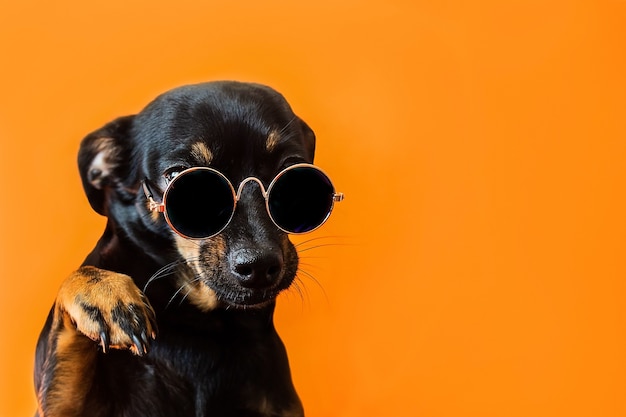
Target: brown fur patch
{"type": "Point", "coordinates": [198, 293]}
{"type": "Point", "coordinates": [104, 143]}
{"type": "Point", "coordinates": [188, 248]}
{"type": "Point", "coordinates": [75, 357]}
{"type": "Point", "coordinates": [154, 215]}
{"type": "Point", "coordinates": [272, 140]}
{"type": "Point", "coordinates": [201, 153]}
{"type": "Point", "coordinates": [103, 162]}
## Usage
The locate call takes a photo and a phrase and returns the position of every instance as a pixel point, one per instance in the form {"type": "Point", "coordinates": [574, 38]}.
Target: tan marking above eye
{"type": "Point", "coordinates": [272, 140]}
{"type": "Point", "coordinates": [201, 153]}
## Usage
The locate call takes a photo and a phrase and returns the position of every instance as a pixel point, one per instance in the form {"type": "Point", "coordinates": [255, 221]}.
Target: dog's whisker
{"type": "Point", "coordinates": [155, 277]}
{"type": "Point", "coordinates": [323, 245]}
{"type": "Point", "coordinates": [308, 245]}
{"type": "Point", "coordinates": [182, 300]}
{"type": "Point", "coordinates": [313, 239]}
{"type": "Point", "coordinates": [164, 272]}
{"type": "Point", "coordinates": [299, 289]}
{"type": "Point", "coordinates": [181, 288]}
{"type": "Point", "coordinates": [311, 277]}
{"type": "Point", "coordinates": [169, 267]}
{"type": "Point", "coordinates": [188, 284]}
{"type": "Point", "coordinates": [169, 270]}
{"type": "Point", "coordinates": [308, 257]}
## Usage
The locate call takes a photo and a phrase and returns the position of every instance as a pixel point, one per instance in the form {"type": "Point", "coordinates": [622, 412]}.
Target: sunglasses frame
{"type": "Point", "coordinates": [161, 207]}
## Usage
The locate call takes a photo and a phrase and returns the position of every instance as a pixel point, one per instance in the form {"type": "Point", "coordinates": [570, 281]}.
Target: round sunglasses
{"type": "Point", "coordinates": [200, 202]}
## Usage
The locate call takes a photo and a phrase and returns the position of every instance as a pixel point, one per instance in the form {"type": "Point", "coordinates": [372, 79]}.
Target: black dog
{"type": "Point", "coordinates": [187, 255]}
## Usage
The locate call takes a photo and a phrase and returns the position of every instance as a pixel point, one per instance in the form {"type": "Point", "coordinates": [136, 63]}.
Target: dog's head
{"type": "Point", "coordinates": [242, 131]}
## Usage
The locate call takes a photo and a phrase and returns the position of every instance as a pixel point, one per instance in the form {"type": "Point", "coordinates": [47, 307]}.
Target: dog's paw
{"type": "Point", "coordinates": [108, 308]}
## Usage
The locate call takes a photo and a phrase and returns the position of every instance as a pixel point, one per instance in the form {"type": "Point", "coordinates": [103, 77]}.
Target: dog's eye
{"type": "Point", "coordinates": [172, 173]}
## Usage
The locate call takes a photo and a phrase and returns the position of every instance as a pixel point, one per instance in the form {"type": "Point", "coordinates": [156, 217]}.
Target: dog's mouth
{"type": "Point", "coordinates": [209, 294]}
{"type": "Point", "coordinates": [245, 298]}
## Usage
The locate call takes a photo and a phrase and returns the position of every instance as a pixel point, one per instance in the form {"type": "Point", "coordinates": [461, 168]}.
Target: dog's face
{"type": "Point", "coordinates": [240, 130]}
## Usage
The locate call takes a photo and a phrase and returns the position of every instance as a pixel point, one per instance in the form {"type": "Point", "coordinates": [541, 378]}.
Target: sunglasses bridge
{"type": "Point", "coordinates": [247, 180]}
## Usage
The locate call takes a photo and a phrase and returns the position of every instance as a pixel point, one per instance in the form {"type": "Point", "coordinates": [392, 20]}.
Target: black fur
{"type": "Point", "coordinates": [208, 359]}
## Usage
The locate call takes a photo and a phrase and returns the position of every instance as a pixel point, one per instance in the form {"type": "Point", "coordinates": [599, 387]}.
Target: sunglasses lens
{"type": "Point", "coordinates": [199, 203]}
{"type": "Point", "coordinates": [301, 199]}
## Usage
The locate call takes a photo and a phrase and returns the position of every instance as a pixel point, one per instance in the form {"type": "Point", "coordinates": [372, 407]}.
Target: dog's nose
{"type": "Point", "coordinates": [256, 268]}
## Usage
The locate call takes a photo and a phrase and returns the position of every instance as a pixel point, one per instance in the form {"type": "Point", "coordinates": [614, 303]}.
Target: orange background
{"type": "Point", "coordinates": [476, 267]}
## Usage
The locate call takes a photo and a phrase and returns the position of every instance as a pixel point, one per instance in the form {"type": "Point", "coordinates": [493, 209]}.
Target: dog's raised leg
{"type": "Point", "coordinates": [94, 310]}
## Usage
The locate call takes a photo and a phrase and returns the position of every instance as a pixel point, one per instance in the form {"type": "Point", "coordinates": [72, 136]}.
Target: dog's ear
{"type": "Point", "coordinates": [103, 161]}
{"type": "Point", "coordinates": [308, 140]}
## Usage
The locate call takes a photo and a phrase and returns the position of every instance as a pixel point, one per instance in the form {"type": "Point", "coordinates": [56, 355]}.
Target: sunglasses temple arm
{"type": "Point", "coordinates": [152, 205]}
{"type": "Point", "coordinates": [337, 197]}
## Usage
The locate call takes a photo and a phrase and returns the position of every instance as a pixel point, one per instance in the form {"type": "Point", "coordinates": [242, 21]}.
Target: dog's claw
{"type": "Point", "coordinates": [147, 338]}
{"type": "Point", "coordinates": [104, 341]}
{"type": "Point", "coordinates": [138, 347]}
